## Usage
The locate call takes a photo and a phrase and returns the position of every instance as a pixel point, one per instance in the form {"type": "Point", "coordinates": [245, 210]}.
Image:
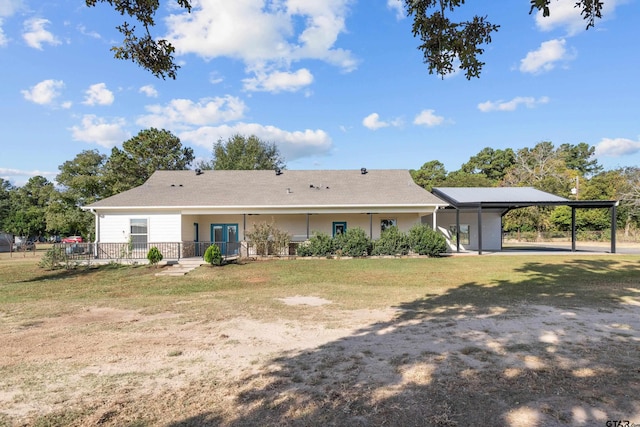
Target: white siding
{"type": "Point", "coordinates": [161, 227]}
{"type": "Point", "coordinates": [491, 227]}
{"type": "Point", "coordinates": [164, 227]}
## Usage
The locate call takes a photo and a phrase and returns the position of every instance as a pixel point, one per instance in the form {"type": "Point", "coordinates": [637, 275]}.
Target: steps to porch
{"type": "Point", "coordinates": [182, 267]}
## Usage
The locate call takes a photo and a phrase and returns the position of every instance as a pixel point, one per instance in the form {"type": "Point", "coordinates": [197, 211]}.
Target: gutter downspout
{"type": "Point", "coordinates": [97, 231]}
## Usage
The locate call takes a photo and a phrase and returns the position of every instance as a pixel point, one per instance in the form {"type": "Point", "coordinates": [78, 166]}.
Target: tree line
{"type": "Point", "coordinates": [569, 171]}
{"type": "Point", "coordinates": [41, 208]}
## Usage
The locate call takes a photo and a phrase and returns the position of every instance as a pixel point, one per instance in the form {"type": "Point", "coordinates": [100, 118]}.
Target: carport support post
{"type": "Point", "coordinates": [458, 230]}
{"type": "Point", "coordinates": [613, 228]}
{"type": "Point", "coordinates": [573, 229]}
{"type": "Point", "coordinates": [480, 230]}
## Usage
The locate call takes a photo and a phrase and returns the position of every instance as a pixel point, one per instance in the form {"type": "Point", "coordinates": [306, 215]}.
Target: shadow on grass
{"type": "Point", "coordinates": [558, 347]}
{"type": "Point", "coordinates": [80, 271]}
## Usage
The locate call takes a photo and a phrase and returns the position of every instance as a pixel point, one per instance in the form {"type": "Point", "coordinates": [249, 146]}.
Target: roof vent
{"type": "Point", "coordinates": [363, 171]}
{"type": "Point", "coordinates": [278, 171]}
{"type": "Point", "coordinates": [199, 171]}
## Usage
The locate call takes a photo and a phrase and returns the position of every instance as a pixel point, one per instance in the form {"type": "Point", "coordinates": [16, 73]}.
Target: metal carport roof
{"type": "Point", "coordinates": [508, 198]}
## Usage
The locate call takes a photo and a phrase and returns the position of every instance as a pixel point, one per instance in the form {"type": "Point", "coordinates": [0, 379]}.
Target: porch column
{"type": "Point", "coordinates": [613, 228]}
{"type": "Point", "coordinates": [97, 238]}
{"type": "Point", "coordinates": [370, 225]}
{"type": "Point", "coordinates": [244, 227]}
{"type": "Point", "coordinates": [434, 224]}
{"type": "Point", "coordinates": [573, 229]}
{"type": "Point", "coordinates": [308, 226]}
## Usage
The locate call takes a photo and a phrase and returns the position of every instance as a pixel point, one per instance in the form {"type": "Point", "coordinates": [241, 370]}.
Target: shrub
{"type": "Point", "coordinates": [213, 255]}
{"type": "Point", "coordinates": [391, 242]}
{"type": "Point", "coordinates": [154, 256]}
{"type": "Point", "coordinates": [53, 258]}
{"type": "Point", "coordinates": [354, 242]}
{"type": "Point", "coordinates": [425, 241]}
{"type": "Point", "coordinates": [268, 239]}
{"type": "Point", "coordinates": [320, 244]}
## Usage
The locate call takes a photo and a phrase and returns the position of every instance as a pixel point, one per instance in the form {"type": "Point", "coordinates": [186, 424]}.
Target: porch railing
{"type": "Point", "coordinates": [169, 250]}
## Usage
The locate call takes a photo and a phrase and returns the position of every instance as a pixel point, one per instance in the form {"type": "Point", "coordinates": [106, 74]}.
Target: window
{"type": "Point", "coordinates": [339, 228]}
{"type": "Point", "coordinates": [387, 223]}
{"type": "Point", "coordinates": [464, 233]}
{"type": "Point", "coordinates": [139, 233]}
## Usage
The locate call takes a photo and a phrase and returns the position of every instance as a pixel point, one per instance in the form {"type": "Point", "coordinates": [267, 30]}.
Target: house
{"type": "Point", "coordinates": [182, 212]}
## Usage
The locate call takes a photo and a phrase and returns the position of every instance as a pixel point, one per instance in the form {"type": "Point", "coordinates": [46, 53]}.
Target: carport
{"type": "Point", "coordinates": [477, 199]}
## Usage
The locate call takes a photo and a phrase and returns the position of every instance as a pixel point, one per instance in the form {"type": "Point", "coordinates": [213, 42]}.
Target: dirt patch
{"type": "Point", "coordinates": [525, 366]}
{"type": "Point", "coordinates": [302, 300]}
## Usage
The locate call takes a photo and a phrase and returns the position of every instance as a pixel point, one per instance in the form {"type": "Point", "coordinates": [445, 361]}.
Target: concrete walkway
{"type": "Point", "coordinates": [182, 267]}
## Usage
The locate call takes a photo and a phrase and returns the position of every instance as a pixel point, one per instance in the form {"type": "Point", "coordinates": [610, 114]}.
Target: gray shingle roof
{"type": "Point", "coordinates": [263, 188]}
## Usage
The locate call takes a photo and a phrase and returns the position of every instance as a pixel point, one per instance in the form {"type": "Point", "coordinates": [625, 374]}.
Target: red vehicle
{"type": "Point", "coordinates": [72, 239]}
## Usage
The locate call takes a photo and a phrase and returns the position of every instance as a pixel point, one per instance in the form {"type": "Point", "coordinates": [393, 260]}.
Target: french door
{"type": "Point", "coordinates": [226, 237]}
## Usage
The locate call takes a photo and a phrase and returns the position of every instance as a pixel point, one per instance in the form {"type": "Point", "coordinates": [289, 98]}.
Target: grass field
{"type": "Point", "coordinates": [493, 340]}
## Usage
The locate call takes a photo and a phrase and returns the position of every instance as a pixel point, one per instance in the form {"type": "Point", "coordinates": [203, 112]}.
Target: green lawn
{"type": "Point", "coordinates": [479, 281]}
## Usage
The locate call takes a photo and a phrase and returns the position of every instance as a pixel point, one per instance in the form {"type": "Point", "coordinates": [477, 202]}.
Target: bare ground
{"type": "Point", "coordinates": [527, 365]}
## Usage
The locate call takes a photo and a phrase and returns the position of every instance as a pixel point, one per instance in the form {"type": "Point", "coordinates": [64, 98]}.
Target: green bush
{"type": "Point", "coordinates": [320, 244]}
{"type": "Point", "coordinates": [53, 259]}
{"type": "Point", "coordinates": [154, 256]}
{"type": "Point", "coordinates": [354, 242]}
{"type": "Point", "coordinates": [213, 255]}
{"type": "Point", "coordinates": [391, 242]}
{"type": "Point", "coordinates": [426, 241]}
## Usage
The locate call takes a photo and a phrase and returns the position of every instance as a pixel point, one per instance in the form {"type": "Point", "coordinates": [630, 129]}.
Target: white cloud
{"type": "Point", "coordinates": [292, 145]}
{"type": "Point", "coordinates": [98, 94]}
{"type": "Point", "coordinates": [428, 118]}
{"type": "Point", "coordinates": [9, 7]}
{"type": "Point", "coordinates": [184, 113]}
{"type": "Point", "coordinates": [3, 38]}
{"type": "Point", "coordinates": [44, 93]}
{"type": "Point", "coordinates": [20, 177]}
{"type": "Point", "coordinates": [564, 15]}
{"type": "Point", "coordinates": [93, 34]}
{"type": "Point", "coordinates": [215, 78]}
{"type": "Point", "coordinates": [266, 37]}
{"type": "Point", "coordinates": [279, 81]}
{"type": "Point", "coordinates": [527, 101]}
{"type": "Point", "coordinates": [545, 58]}
{"type": "Point", "coordinates": [149, 90]}
{"type": "Point", "coordinates": [96, 130]}
{"type": "Point", "coordinates": [373, 122]}
{"type": "Point", "coordinates": [35, 34]}
{"type": "Point", "coordinates": [396, 5]}
{"type": "Point", "coordinates": [615, 147]}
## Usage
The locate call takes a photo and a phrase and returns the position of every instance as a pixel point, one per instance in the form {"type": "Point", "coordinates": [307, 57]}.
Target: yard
{"type": "Point", "coordinates": [457, 341]}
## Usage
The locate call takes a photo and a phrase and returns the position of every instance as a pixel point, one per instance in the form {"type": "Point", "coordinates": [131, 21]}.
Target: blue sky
{"type": "Point", "coordinates": [336, 84]}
